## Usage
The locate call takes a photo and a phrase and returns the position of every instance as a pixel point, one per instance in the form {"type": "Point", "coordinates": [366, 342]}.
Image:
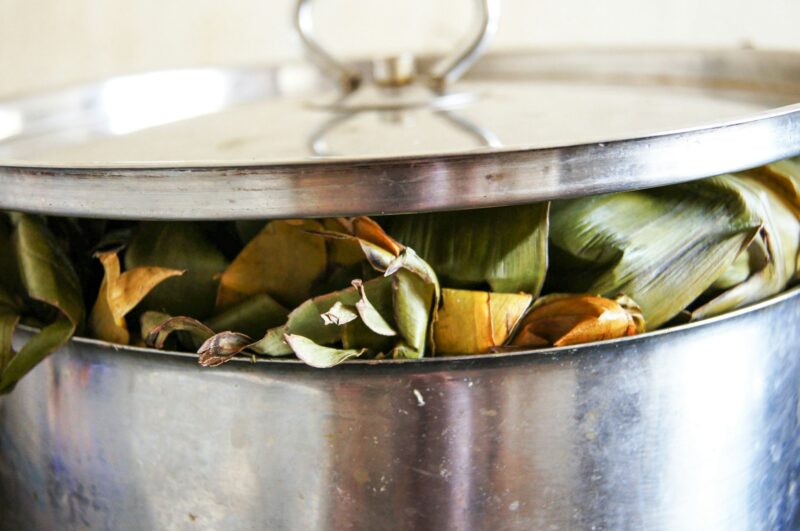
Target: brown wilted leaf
{"type": "Point", "coordinates": [221, 347]}
{"type": "Point", "coordinates": [560, 320]}
{"type": "Point", "coordinates": [157, 335]}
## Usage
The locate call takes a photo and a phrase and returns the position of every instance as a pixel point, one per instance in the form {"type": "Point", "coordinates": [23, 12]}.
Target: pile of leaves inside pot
{"type": "Point", "coordinates": [402, 287]}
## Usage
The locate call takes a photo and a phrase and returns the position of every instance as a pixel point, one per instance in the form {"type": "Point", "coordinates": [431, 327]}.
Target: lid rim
{"type": "Point", "coordinates": [407, 183]}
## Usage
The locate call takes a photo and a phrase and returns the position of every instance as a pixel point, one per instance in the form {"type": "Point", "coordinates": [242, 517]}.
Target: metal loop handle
{"type": "Point", "coordinates": [442, 73]}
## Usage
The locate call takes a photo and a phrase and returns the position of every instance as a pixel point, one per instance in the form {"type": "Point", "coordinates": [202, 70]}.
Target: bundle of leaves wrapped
{"type": "Point", "coordinates": [435, 284]}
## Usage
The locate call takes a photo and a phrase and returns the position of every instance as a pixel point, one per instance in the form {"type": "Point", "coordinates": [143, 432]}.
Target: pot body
{"type": "Point", "coordinates": [693, 428]}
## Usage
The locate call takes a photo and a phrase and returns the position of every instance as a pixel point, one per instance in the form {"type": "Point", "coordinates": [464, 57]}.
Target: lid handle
{"type": "Point", "coordinates": [444, 72]}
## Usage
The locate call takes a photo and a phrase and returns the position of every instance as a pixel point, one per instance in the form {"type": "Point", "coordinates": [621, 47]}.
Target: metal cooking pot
{"type": "Point", "coordinates": [697, 427]}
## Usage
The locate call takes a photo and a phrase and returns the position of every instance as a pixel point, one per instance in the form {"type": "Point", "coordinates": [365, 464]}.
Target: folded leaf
{"type": "Point", "coordinates": [414, 303]}
{"type": "Point", "coordinates": [369, 315]}
{"type": "Point", "coordinates": [121, 293]}
{"type": "Point", "coordinates": [149, 321]}
{"type": "Point", "coordinates": [770, 263]}
{"type": "Point", "coordinates": [663, 247]}
{"type": "Point", "coordinates": [339, 314]}
{"type": "Point", "coordinates": [221, 347]}
{"type": "Point", "coordinates": [283, 260]}
{"type": "Point", "coordinates": [157, 336]}
{"type": "Point", "coordinates": [505, 248]}
{"type": "Point", "coordinates": [306, 320]}
{"type": "Point", "coordinates": [178, 245]}
{"type": "Point", "coordinates": [46, 276]}
{"type": "Point", "coordinates": [560, 320]}
{"type": "Point", "coordinates": [319, 356]}
{"type": "Point", "coordinates": [414, 283]}
{"type": "Point", "coordinates": [476, 322]}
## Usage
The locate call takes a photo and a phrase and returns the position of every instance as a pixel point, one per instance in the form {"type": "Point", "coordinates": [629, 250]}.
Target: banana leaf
{"type": "Point", "coordinates": [339, 314]}
{"type": "Point", "coordinates": [178, 245]}
{"type": "Point", "coordinates": [394, 311]}
{"type": "Point", "coordinates": [311, 320]}
{"type": "Point", "coordinates": [317, 355]}
{"type": "Point", "coordinates": [45, 276]}
{"type": "Point", "coordinates": [8, 324]}
{"type": "Point", "coordinates": [158, 327]}
{"type": "Point", "coordinates": [307, 321]}
{"type": "Point", "coordinates": [252, 316]}
{"type": "Point", "coordinates": [283, 260]}
{"type": "Point", "coordinates": [370, 315]}
{"type": "Point", "coordinates": [662, 247]}
{"type": "Point", "coordinates": [476, 322]}
{"type": "Point", "coordinates": [415, 311]}
{"type": "Point", "coordinates": [770, 263]}
{"type": "Point", "coordinates": [221, 347]}
{"type": "Point", "coordinates": [559, 320]}
{"type": "Point", "coordinates": [415, 284]}
{"type": "Point", "coordinates": [505, 248]}
{"type": "Point", "coordinates": [119, 294]}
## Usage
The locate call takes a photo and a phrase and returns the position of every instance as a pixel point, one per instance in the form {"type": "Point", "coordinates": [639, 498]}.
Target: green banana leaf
{"type": "Point", "coordinates": [394, 312]}
{"type": "Point", "coordinates": [307, 321]}
{"type": "Point", "coordinates": [178, 245]}
{"type": "Point", "coordinates": [662, 247]}
{"type": "Point", "coordinates": [505, 248]}
{"type": "Point", "coordinates": [46, 276]}
{"type": "Point", "coordinates": [770, 263]}
{"type": "Point", "coordinates": [317, 355]}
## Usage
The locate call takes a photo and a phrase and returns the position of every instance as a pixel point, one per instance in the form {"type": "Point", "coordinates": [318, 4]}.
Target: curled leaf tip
{"type": "Point", "coordinates": [221, 347]}
{"type": "Point", "coordinates": [339, 314]}
{"type": "Point", "coordinates": [159, 334]}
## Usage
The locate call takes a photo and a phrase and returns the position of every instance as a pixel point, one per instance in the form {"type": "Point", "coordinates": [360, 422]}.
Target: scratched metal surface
{"type": "Point", "coordinates": [693, 428]}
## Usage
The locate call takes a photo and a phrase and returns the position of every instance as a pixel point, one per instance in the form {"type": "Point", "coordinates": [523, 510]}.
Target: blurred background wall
{"type": "Point", "coordinates": [52, 42]}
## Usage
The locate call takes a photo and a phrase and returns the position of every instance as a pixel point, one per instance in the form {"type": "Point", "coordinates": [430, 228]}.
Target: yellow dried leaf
{"type": "Point", "coordinates": [119, 294]}
{"type": "Point", "coordinates": [475, 322]}
{"type": "Point", "coordinates": [283, 260]}
{"type": "Point", "coordinates": [343, 251]}
{"type": "Point", "coordinates": [560, 320]}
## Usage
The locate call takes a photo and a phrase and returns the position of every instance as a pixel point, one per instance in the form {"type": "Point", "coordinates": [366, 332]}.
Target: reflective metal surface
{"type": "Point", "coordinates": [693, 428]}
{"type": "Point", "coordinates": [444, 72]}
{"type": "Point", "coordinates": [238, 143]}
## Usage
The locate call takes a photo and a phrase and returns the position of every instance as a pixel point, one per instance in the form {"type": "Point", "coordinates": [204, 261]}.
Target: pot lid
{"type": "Point", "coordinates": [395, 135]}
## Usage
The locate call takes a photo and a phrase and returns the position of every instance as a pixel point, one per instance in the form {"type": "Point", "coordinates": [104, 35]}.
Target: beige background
{"type": "Point", "coordinates": [51, 42]}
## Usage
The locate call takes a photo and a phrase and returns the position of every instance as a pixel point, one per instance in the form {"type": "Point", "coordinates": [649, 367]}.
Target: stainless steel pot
{"type": "Point", "coordinates": [697, 427]}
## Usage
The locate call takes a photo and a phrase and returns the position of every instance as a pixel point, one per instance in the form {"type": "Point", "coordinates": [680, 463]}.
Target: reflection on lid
{"type": "Point", "coordinates": [135, 103]}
